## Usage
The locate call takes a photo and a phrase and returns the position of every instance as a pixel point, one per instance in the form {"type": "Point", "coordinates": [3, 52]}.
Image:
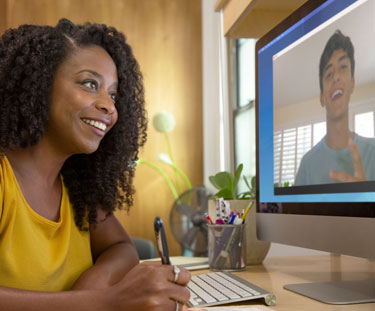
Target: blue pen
{"type": "Point", "coordinates": [232, 219]}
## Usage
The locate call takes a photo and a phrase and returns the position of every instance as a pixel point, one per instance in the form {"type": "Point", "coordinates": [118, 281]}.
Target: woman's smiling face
{"type": "Point", "coordinates": [83, 100]}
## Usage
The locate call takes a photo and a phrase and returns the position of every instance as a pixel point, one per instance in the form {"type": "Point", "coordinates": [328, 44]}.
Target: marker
{"type": "Point", "coordinates": [232, 218]}
{"type": "Point", "coordinates": [219, 221]}
{"type": "Point", "coordinates": [237, 221]}
{"type": "Point", "coordinates": [209, 220]}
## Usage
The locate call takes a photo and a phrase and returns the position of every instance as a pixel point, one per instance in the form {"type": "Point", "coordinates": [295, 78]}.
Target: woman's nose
{"type": "Point", "coordinates": [106, 104]}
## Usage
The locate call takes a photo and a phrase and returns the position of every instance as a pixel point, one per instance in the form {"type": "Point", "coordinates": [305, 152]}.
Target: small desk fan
{"type": "Point", "coordinates": [188, 221]}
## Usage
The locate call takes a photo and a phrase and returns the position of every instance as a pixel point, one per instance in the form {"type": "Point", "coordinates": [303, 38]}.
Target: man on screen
{"type": "Point", "coordinates": [342, 155]}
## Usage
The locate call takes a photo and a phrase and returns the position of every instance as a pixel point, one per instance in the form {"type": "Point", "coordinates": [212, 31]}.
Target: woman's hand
{"type": "Point", "coordinates": [149, 286]}
{"type": "Point", "coordinates": [119, 282]}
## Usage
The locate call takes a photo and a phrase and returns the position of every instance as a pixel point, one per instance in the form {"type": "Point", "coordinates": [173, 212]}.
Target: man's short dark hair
{"type": "Point", "coordinates": [336, 41]}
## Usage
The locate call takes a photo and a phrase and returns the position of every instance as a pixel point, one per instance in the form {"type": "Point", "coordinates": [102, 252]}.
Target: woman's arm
{"type": "Point", "coordinates": [23, 300]}
{"type": "Point", "coordinates": [113, 253]}
{"type": "Point", "coordinates": [114, 283]}
{"type": "Point", "coordinates": [122, 281]}
{"type": "Point", "coordinates": [147, 287]}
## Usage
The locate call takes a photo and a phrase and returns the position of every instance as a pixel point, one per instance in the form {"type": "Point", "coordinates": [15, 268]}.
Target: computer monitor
{"type": "Point", "coordinates": [315, 157]}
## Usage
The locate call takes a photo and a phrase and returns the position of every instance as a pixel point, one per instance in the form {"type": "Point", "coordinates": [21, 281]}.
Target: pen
{"type": "Point", "coordinates": [209, 220]}
{"type": "Point", "coordinates": [247, 210]}
{"type": "Point", "coordinates": [237, 221]}
{"type": "Point", "coordinates": [161, 241]}
{"type": "Point", "coordinates": [232, 218]}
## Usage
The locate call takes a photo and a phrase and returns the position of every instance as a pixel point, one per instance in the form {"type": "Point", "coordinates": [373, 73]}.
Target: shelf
{"type": "Point", "coordinates": [254, 18]}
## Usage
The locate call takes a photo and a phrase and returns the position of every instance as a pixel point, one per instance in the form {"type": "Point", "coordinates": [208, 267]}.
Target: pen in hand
{"type": "Point", "coordinates": [161, 241]}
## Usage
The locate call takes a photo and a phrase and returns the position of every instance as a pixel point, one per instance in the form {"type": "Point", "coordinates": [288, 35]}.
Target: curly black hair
{"type": "Point", "coordinates": [29, 57]}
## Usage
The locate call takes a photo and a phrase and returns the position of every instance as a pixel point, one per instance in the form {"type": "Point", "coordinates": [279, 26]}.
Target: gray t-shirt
{"type": "Point", "coordinates": [317, 162]}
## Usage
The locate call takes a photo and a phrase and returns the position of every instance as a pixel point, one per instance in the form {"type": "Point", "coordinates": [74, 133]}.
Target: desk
{"type": "Point", "coordinates": [275, 272]}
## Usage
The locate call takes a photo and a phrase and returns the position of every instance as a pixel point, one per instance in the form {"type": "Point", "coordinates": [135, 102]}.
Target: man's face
{"type": "Point", "coordinates": [338, 85]}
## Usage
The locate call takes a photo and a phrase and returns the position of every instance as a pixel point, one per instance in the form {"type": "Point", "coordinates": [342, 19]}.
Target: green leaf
{"type": "Point", "coordinates": [253, 183]}
{"type": "Point", "coordinates": [226, 194]}
{"type": "Point", "coordinates": [213, 182]}
{"type": "Point", "coordinates": [237, 175]}
{"type": "Point", "coordinates": [221, 180]}
{"type": "Point", "coordinates": [241, 196]}
{"type": "Point", "coordinates": [247, 183]}
{"type": "Point", "coordinates": [245, 195]}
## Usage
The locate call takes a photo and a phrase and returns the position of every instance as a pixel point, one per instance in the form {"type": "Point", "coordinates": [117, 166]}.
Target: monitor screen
{"type": "Point", "coordinates": [314, 146]}
{"type": "Point", "coordinates": [300, 154]}
{"type": "Point", "coordinates": [316, 125]}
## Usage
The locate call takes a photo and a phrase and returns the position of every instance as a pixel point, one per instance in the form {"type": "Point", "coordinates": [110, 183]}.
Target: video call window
{"type": "Point", "coordinates": [308, 100]}
{"type": "Point", "coordinates": [291, 143]}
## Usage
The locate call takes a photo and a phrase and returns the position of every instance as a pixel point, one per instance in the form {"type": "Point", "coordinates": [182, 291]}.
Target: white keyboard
{"type": "Point", "coordinates": [216, 288]}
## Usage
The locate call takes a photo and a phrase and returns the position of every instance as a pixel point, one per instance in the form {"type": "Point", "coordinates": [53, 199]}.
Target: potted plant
{"type": "Point", "coordinates": [227, 185]}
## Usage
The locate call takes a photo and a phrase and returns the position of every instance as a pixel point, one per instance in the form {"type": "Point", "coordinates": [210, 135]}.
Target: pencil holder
{"type": "Point", "coordinates": [226, 247]}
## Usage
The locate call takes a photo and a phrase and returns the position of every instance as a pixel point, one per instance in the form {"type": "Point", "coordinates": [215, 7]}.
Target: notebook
{"type": "Point", "coordinates": [189, 263]}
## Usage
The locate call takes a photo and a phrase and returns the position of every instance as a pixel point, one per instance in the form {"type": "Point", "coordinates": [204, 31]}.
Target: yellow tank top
{"type": "Point", "coordinates": [37, 253]}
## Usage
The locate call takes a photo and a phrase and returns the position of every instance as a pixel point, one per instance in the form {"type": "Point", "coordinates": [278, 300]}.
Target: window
{"type": "Point", "coordinates": [244, 107]}
{"type": "Point", "coordinates": [290, 145]}
{"type": "Point", "coordinates": [364, 124]}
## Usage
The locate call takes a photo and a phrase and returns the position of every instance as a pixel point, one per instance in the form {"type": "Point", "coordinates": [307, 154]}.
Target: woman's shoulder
{"type": "Point", "coordinates": [2, 160]}
{"type": "Point", "coordinates": [6, 176]}
{"type": "Point", "coordinates": [2, 179]}
{"type": "Point", "coordinates": [4, 166]}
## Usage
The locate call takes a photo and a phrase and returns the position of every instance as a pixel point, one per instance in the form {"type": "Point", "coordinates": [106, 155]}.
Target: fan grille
{"type": "Point", "coordinates": [188, 221]}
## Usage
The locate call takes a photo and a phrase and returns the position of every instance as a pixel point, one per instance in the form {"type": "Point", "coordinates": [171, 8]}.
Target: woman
{"type": "Point", "coordinates": [72, 119]}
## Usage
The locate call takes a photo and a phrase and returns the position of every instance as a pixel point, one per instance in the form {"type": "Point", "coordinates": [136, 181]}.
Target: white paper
{"type": "Point", "coordinates": [232, 308]}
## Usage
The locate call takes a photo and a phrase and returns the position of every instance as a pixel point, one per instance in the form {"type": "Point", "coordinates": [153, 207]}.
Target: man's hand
{"type": "Point", "coordinates": [359, 174]}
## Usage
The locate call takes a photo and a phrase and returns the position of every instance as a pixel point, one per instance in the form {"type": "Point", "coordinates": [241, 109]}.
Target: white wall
{"type": "Point", "coordinates": [211, 90]}
{"type": "Point", "coordinates": [216, 123]}
{"type": "Point", "coordinates": [310, 111]}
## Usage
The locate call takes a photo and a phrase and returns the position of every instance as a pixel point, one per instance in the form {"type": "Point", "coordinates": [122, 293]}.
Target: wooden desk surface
{"type": "Point", "coordinates": [275, 272]}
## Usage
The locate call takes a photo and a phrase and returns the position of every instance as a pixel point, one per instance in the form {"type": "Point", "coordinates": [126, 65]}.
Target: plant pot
{"type": "Point", "coordinates": [256, 250]}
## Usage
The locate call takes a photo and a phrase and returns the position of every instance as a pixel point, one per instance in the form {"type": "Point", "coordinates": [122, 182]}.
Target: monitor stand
{"type": "Point", "coordinates": [337, 292]}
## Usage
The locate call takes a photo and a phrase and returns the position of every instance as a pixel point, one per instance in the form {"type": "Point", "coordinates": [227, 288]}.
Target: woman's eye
{"type": "Point", "coordinates": [113, 97]}
{"type": "Point", "coordinates": [91, 84]}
